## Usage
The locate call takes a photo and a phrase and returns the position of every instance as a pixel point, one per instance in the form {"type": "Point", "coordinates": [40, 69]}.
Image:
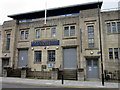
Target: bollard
{"type": "Point", "coordinates": [62, 79]}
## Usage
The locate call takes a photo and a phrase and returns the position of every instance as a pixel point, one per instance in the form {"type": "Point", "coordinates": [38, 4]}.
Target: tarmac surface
{"type": "Point", "coordinates": [58, 83]}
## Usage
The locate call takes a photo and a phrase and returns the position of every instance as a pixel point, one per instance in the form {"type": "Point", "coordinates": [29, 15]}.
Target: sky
{"type": "Point", "coordinates": [10, 7]}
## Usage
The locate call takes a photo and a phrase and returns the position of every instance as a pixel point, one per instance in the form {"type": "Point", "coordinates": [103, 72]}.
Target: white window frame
{"type": "Point", "coordinates": [36, 36]}
{"type": "Point", "coordinates": [69, 31]}
{"type": "Point", "coordinates": [24, 34]}
{"type": "Point", "coordinates": [53, 35]}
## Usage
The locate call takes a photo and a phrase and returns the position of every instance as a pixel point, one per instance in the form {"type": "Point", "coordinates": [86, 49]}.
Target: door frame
{"type": "Point", "coordinates": [18, 55]}
{"type": "Point", "coordinates": [69, 47]}
{"type": "Point", "coordinates": [94, 58]}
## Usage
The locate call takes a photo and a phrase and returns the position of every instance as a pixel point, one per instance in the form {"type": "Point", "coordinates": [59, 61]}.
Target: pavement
{"type": "Point", "coordinates": [58, 83]}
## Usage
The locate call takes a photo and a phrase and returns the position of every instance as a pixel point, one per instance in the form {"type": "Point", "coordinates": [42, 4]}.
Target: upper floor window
{"type": "Point", "coordinates": [0, 35]}
{"type": "Point", "coordinates": [8, 42]}
{"type": "Point", "coordinates": [114, 27]}
{"type": "Point", "coordinates": [53, 32]}
{"type": "Point", "coordinates": [24, 35]}
{"type": "Point", "coordinates": [69, 31]}
{"type": "Point", "coordinates": [37, 33]}
{"type": "Point", "coordinates": [108, 28]}
{"type": "Point", "coordinates": [72, 30]}
{"type": "Point", "coordinates": [118, 27]}
{"type": "Point", "coordinates": [38, 56]}
{"type": "Point", "coordinates": [51, 55]}
{"type": "Point", "coordinates": [90, 36]}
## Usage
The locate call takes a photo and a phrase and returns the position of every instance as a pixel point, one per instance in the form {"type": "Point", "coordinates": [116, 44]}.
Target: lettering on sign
{"type": "Point", "coordinates": [45, 43]}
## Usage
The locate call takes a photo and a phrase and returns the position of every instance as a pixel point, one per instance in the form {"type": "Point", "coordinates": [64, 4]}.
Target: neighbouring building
{"type": "Point", "coordinates": [0, 50]}
{"type": "Point", "coordinates": [68, 44]}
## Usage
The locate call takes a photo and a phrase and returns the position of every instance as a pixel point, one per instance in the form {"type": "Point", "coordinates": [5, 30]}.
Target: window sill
{"type": "Point", "coordinates": [37, 62]}
{"type": "Point", "coordinates": [49, 62]}
{"type": "Point", "coordinates": [23, 41]}
{"type": "Point", "coordinates": [72, 37]}
{"type": "Point", "coordinates": [91, 48]}
{"type": "Point", "coordinates": [6, 51]}
{"type": "Point", "coordinates": [112, 33]}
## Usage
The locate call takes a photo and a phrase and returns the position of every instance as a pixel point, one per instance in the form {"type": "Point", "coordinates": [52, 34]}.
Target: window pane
{"type": "Point", "coordinates": [114, 27]}
{"type": "Point", "coordinates": [108, 28]}
{"type": "Point", "coordinates": [8, 42]}
{"type": "Point", "coordinates": [72, 31]}
{"type": "Point", "coordinates": [26, 34]}
{"type": "Point", "coordinates": [90, 36]}
{"type": "Point", "coordinates": [51, 55]}
{"type": "Point", "coordinates": [90, 29]}
{"type": "Point", "coordinates": [38, 33]}
{"type": "Point", "coordinates": [22, 35]}
{"type": "Point", "coordinates": [53, 32]}
{"type": "Point", "coordinates": [118, 26]}
{"type": "Point", "coordinates": [91, 45]}
{"type": "Point", "coordinates": [0, 35]}
{"type": "Point", "coordinates": [38, 56]}
{"type": "Point", "coordinates": [89, 63]}
{"type": "Point", "coordinates": [66, 31]}
{"type": "Point", "coordinates": [116, 53]}
{"type": "Point", "coordinates": [110, 53]}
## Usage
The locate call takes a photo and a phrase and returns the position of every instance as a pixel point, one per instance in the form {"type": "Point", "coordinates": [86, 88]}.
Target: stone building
{"type": "Point", "coordinates": [68, 42]}
{"type": "Point", "coordinates": [0, 50]}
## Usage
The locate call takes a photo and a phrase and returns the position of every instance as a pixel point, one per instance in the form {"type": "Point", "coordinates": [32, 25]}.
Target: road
{"type": "Point", "coordinates": [39, 87]}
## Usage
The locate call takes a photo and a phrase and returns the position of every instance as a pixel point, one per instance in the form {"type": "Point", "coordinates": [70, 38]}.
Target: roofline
{"type": "Point", "coordinates": [57, 10]}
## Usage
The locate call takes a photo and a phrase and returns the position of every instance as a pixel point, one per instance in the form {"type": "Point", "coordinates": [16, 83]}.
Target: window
{"type": "Point", "coordinates": [69, 31]}
{"type": "Point", "coordinates": [90, 36]}
{"type": "Point", "coordinates": [114, 27]}
{"type": "Point", "coordinates": [108, 28]}
{"type": "Point", "coordinates": [72, 30]}
{"type": "Point", "coordinates": [38, 33]}
{"type": "Point", "coordinates": [118, 26]}
{"type": "Point", "coordinates": [0, 35]}
{"type": "Point", "coordinates": [51, 55]}
{"type": "Point", "coordinates": [8, 42]}
{"type": "Point", "coordinates": [116, 53]}
{"type": "Point", "coordinates": [38, 56]}
{"type": "Point", "coordinates": [53, 32]}
{"type": "Point", "coordinates": [66, 31]}
{"type": "Point", "coordinates": [110, 53]}
{"type": "Point", "coordinates": [22, 35]}
{"type": "Point", "coordinates": [26, 34]}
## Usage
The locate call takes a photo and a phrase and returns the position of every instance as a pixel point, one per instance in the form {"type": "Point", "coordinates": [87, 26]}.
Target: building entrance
{"type": "Point", "coordinates": [92, 68]}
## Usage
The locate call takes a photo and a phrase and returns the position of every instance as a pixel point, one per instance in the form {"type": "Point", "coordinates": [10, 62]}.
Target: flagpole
{"type": "Point", "coordinates": [45, 12]}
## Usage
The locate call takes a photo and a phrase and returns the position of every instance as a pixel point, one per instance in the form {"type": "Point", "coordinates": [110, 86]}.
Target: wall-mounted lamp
{"type": "Point", "coordinates": [57, 48]}
{"type": "Point", "coordinates": [91, 52]}
{"type": "Point", "coordinates": [5, 54]}
{"type": "Point", "coordinates": [32, 48]}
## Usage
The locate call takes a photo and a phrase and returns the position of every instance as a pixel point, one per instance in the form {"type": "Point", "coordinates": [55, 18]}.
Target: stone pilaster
{"type": "Point", "coordinates": [54, 74]}
{"type": "Point", "coordinates": [5, 73]}
{"type": "Point", "coordinates": [80, 74]}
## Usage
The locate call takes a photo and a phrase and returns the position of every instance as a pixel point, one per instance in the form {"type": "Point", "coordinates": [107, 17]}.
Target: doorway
{"type": "Point", "coordinates": [92, 68]}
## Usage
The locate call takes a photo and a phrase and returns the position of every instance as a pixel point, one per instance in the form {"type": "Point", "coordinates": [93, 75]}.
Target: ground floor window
{"type": "Point", "coordinates": [51, 55]}
{"type": "Point", "coordinates": [38, 56]}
